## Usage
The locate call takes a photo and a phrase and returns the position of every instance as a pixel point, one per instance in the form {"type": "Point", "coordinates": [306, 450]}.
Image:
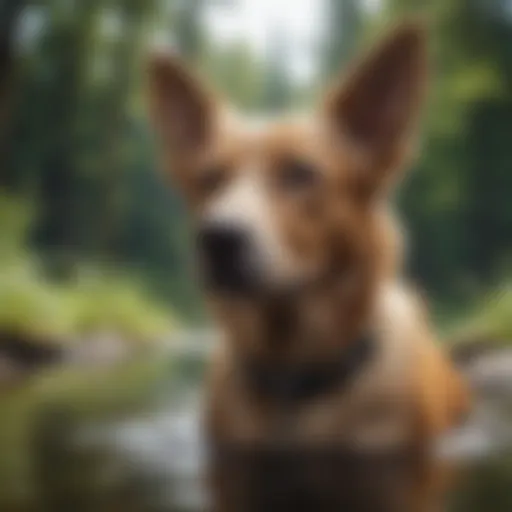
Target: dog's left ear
{"type": "Point", "coordinates": [182, 111]}
{"type": "Point", "coordinates": [376, 107]}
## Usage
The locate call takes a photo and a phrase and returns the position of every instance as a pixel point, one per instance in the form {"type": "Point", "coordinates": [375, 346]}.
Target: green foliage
{"type": "Point", "coordinates": [48, 410]}
{"type": "Point", "coordinates": [42, 310]}
{"type": "Point", "coordinates": [237, 73]}
{"type": "Point", "coordinates": [490, 317]}
{"type": "Point", "coordinates": [33, 308]}
{"type": "Point", "coordinates": [79, 145]}
{"type": "Point", "coordinates": [119, 306]}
{"type": "Point", "coordinates": [456, 202]}
{"type": "Point", "coordinates": [15, 219]}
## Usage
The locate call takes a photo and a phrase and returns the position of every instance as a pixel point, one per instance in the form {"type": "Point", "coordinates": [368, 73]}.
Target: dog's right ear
{"type": "Point", "coordinates": [376, 107]}
{"type": "Point", "coordinates": [181, 110]}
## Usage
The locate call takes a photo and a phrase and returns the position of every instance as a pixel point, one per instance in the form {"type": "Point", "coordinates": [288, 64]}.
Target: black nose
{"type": "Point", "coordinates": [224, 252]}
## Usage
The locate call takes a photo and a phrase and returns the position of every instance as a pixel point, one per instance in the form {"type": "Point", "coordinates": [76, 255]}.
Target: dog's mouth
{"type": "Point", "coordinates": [227, 264]}
{"type": "Point", "coordinates": [233, 265]}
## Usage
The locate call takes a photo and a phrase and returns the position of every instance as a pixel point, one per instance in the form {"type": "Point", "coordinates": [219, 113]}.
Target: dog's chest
{"type": "Point", "coordinates": [326, 456]}
{"type": "Point", "coordinates": [372, 411]}
{"type": "Point", "coordinates": [343, 450]}
{"type": "Point", "coordinates": [320, 457]}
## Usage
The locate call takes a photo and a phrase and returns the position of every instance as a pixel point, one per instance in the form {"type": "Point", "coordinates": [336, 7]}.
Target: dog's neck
{"type": "Point", "coordinates": [311, 325]}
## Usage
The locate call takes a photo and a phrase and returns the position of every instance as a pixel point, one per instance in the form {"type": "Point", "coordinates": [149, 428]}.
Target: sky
{"type": "Point", "coordinates": [260, 22]}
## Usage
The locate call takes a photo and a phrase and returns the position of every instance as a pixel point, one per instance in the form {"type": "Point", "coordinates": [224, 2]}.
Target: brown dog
{"type": "Point", "coordinates": [328, 360]}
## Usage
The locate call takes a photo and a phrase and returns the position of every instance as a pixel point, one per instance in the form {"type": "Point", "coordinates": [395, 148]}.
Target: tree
{"type": "Point", "coordinates": [10, 11]}
{"type": "Point", "coordinates": [277, 90]}
{"type": "Point", "coordinates": [188, 28]}
{"type": "Point", "coordinates": [343, 28]}
{"type": "Point", "coordinates": [236, 73]}
{"type": "Point", "coordinates": [455, 202]}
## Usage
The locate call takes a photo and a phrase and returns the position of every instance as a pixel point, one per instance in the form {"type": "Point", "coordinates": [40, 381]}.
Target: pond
{"type": "Point", "coordinates": [128, 438]}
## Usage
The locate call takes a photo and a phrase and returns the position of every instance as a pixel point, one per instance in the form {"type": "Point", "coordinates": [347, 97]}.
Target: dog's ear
{"type": "Point", "coordinates": [375, 107]}
{"type": "Point", "coordinates": [182, 112]}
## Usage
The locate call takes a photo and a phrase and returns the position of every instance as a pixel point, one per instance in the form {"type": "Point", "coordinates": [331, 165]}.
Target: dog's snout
{"type": "Point", "coordinates": [221, 244]}
{"type": "Point", "coordinates": [224, 251]}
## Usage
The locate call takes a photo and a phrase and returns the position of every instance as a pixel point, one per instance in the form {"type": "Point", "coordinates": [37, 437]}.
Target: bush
{"type": "Point", "coordinates": [119, 305]}
{"type": "Point", "coordinates": [37, 309]}
{"type": "Point", "coordinates": [491, 318]}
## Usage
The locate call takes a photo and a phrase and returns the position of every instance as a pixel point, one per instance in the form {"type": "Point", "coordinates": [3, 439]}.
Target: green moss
{"type": "Point", "coordinates": [490, 318]}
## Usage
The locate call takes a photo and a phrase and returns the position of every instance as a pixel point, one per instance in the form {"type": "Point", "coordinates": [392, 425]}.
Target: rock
{"type": "Point", "coordinates": [101, 349]}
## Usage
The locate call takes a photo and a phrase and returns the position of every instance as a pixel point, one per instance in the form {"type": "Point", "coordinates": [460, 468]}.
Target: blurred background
{"type": "Point", "coordinates": [103, 333]}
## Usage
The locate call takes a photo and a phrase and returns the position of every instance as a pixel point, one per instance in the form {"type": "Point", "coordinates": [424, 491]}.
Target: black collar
{"type": "Point", "coordinates": [300, 383]}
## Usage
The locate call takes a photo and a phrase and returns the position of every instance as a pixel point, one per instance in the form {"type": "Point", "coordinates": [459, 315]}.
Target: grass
{"type": "Point", "coordinates": [62, 398]}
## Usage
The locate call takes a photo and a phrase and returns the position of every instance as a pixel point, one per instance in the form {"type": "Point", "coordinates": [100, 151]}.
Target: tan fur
{"type": "Point", "coordinates": [409, 394]}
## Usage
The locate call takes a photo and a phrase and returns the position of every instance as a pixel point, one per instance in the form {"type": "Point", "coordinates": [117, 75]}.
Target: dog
{"type": "Point", "coordinates": [329, 364]}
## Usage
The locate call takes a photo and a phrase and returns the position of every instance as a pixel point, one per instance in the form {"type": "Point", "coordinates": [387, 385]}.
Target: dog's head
{"type": "Point", "coordinates": [281, 205]}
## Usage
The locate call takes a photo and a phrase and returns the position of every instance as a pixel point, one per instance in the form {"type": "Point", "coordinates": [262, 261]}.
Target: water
{"type": "Point", "coordinates": [167, 446]}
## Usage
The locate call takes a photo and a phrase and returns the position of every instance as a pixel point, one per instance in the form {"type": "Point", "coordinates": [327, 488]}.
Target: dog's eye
{"type": "Point", "coordinates": [297, 175]}
{"type": "Point", "coordinates": [210, 179]}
